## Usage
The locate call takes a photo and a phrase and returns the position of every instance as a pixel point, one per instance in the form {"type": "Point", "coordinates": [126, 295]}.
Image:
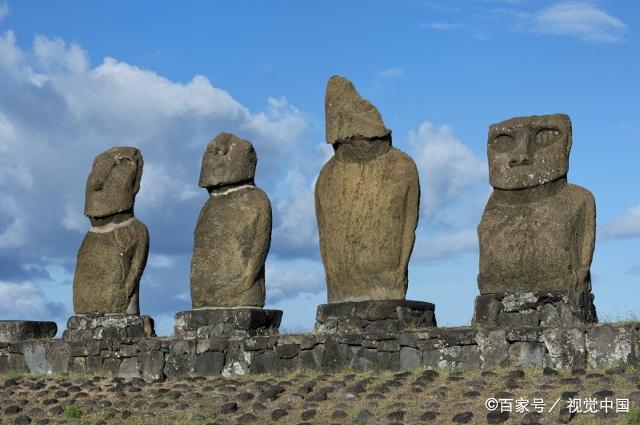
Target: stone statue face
{"type": "Point", "coordinates": [227, 160]}
{"type": "Point", "coordinates": [114, 182]}
{"type": "Point", "coordinates": [529, 151]}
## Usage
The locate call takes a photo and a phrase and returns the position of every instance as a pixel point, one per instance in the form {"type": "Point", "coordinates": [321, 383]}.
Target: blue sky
{"type": "Point", "coordinates": [78, 77]}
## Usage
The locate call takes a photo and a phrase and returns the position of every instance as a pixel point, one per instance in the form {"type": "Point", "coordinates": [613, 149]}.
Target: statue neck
{"type": "Point", "coordinates": [531, 194]}
{"type": "Point", "coordinates": [223, 190]}
{"type": "Point", "coordinates": [116, 218]}
{"type": "Point", "coordinates": [361, 150]}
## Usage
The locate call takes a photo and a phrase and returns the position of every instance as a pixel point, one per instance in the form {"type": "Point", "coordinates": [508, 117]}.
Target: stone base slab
{"type": "Point", "coordinates": [108, 326]}
{"type": "Point", "coordinates": [217, 322]}
{"type": "Point", "coordinates": [374, 316]}
{"type": "Point", "coordinates": [544, 309]}
{"type": "Point", "coordinates": [24, 330]}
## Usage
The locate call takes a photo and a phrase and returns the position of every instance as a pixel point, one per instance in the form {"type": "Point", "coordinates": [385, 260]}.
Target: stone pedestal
{"type": "Point", "coordinates": [108, 326]}
{"type": "Point", "coordinates": [374, 316]}
{"type": "Point", "coordinates": [227, 322]}
{"type": "Point", "coordinates": [23, 330]}
{"type": "Point", "coordinates": [543, 309]}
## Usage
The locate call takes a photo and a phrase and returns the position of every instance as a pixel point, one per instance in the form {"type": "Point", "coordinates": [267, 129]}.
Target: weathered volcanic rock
{"type": "Point", "coordinates": [537, 232]}
{"type": "Point", "coordinates": [233, 233]}
{"type": "Point", "coordinates": [367, 199]}
{"type": "Point", "coordinates": [226, 321]}
{"type": "Point", "coordinates": [374, 316]}
{"type": "Point", "coordinates": [114, 252]}
{"type": "Point", "coordinates": [20, 330]}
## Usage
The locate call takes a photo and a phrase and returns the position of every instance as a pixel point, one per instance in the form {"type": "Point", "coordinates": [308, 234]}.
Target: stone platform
{"type": "Point", "coordinates": [592, 346]}
{"type": "Point", "coordinates": [544, 309]}
{"type": "Point", "coordinates": [374, 316]}
{"type": "Point", "coordinates": [239, 321]}
{"type": "Point", "coordinates": [22, 330]}
{"type": "Point", "coordinates": [108, 326]}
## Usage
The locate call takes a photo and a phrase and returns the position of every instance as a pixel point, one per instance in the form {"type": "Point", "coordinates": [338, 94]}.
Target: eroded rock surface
{"type": "Point", "coordinates": [233, 233]}
{"type": "Point", "coordinates": [367, 199]}
{"type": "Point", "coordinates": [537, 232]}
{"type": "Point", "coordinates": [114, 252]}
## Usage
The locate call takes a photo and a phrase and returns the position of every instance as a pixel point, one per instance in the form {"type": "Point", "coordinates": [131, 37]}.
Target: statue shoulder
{"type": "Point", "coordinates": [402, 164]}
{"type": "Point", "coordinates": [580, 195]}
{"type": "Point", "coordinates": [260, 198]}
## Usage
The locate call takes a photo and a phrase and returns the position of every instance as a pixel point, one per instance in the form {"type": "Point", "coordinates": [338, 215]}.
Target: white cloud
{"type": "Point", "coordinates": [286, 282]}
{"type": "Point", "coordinates": [57, 112]}
{"type": "Point", "coordinates": [446, 246]}
{"type": "Point", "coordinates": [54, 57]}
{"type": "Point", "coordinates": [14, 235]}
{"type": "Point", "coordinates": [25, 300]}
{"type": "Point", "coordinates": [15, 175]}
{"type": "Point", "coordinates": [4, 10]}
{"type": "Point", "coordinates": [161, 261]}
{"type": "Point", "coordinates": [580, 19]}
{"type": "Point", "coordinates": [13, 223]}
{"type": "Point", "coordinates": [625, 225]}
{"type": "Point", "coordinates": [295, 216]}
{"type": "Point", "coordinates": [394, 72]}
{"type": "Point", "coordinates": [73, 219]}
{"type": "Point", "coordinates": [449, 169]}
{"type": "Point", "coordinates": [454, 191]}
{"type": "Point", "coordinates": [159, 186]}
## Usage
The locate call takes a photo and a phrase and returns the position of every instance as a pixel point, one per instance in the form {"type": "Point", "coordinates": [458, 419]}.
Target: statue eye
{"type": "Point", "coordinates": [503, 143]}
{"type": "Point", "coordinates": [547, 136]}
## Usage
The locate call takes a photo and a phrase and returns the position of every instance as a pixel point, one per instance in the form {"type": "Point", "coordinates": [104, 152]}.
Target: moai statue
{"type": "Point", "coordinates": [114, 252]}
{"type": "Point", "coordinates": [367, 200]}
{"type": "Point", "coordinates": [537, 232]}
{"type": "Point", "coordinates": [232, 239]}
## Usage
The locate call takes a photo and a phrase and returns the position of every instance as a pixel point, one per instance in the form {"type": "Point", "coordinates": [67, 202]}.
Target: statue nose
{"type": "Point", "coordinates": [520, 160]}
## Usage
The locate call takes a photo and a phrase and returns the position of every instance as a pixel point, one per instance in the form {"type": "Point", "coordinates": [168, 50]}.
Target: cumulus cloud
{"type": "Point", "coordinates": [446, 246]}
{"type": "Point", "coordinates": [448, 167]}
{"type": "Point", "coordinates": [625, 225]}
{"type": "Point", "coordinates": [73, 219]}
{"type": "Point", "coordinates": [159, 261]}
{"type": "Point", "coordinates": [295, 232]}
{"type": "Point", "coordinates": [285, 282]}
{"type": "Point", "coordinates": [25, 300]}
{"type": "Point", "coordinates": [13, 223]}
{"type": "Point", "coordinates": [57, 112]}
{"type": "Point", "coordinates": [454, 192]}
{"type": "Point", "coordinates": [580, 19]}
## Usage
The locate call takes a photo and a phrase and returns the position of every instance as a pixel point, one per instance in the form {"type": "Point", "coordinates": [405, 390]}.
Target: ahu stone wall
{"type": "Point", "coordinates": [153, 358]}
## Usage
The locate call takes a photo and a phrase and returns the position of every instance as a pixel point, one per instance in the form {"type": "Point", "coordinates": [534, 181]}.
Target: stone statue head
{"type": "Point", "coordinates": [348, 116]}
{"type": "Point", "coordinates": [227, 160]}
{"type": "Point", "coordinates": [114, 182]}
{"type": "Point", "coordinates": [530, 151]}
